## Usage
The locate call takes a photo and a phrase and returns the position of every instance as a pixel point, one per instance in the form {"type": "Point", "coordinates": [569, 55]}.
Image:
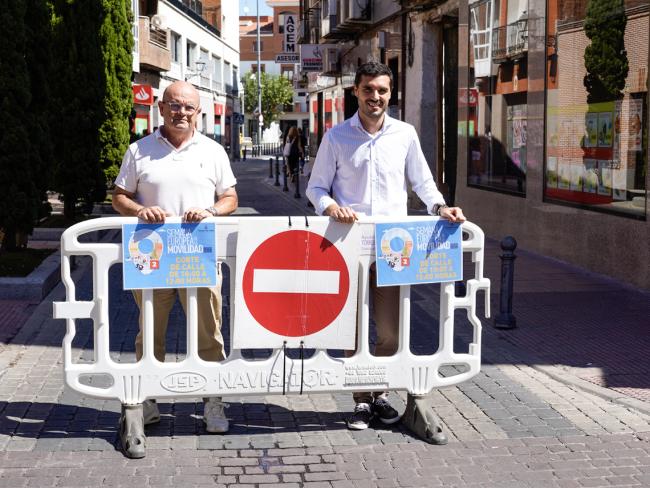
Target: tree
{"type": "Point", "coordinates": [92, 97]}
{"type": "Point", "coordinates": [605, 58]}
{"type": "Point", "coordinates": [277, 91]}
{"type": "Point", "coordinates": [19, 200]}
{"type": "Point", "coordinates": [117, 44]}
{"type": "Point", "coordinates": [38, 116]}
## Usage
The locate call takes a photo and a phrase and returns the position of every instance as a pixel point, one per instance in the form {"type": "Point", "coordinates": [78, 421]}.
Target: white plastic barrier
{"type": "Point", "coordinates": [132, 383]}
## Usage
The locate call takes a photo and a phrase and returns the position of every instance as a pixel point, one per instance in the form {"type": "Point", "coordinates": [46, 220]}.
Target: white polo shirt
{"type": "Point", "coordinates": [369, 172]}
{"type": "Point", "coordinates": [175, 179]}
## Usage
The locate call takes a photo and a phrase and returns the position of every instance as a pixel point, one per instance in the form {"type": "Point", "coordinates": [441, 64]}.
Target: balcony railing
{"type": "Point", "coordinates": [153, 40]}
{"type": "Point", "coordinates": [510, 41]}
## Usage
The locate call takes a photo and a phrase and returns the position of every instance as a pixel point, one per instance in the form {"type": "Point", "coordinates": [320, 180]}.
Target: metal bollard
{"type": "Point", "coordinates": [505, 319]}
{"type": "Point", "coordinates": [285, 187]}
{"type": "Point", "coordinates": [271, 167]}
{"type": "Point", "coordinates": [277, 172]}
{"type": "Point", "coordinates": [297, 193]}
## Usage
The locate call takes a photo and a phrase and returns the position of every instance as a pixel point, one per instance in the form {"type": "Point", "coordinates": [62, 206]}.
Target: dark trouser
{"type": "Point", "coordinates": [385, 312]}
{"type": "Point", "coordinates": [293, 163]}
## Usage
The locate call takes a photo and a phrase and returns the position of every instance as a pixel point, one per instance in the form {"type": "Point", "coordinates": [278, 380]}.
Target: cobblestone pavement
{"type": "Point", "coordinates": [533, 417]}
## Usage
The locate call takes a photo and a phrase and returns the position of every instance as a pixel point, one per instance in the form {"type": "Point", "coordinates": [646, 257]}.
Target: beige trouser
{"type": "Point", "coordinates": [385, 312]}
{"type": "Point", "coordinates": [210, 341]}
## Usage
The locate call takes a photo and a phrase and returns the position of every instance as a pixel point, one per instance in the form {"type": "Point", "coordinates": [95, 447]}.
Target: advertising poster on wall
{"type": "Point", "coordinates": [591, 137]}
{"type": "Point", "coordinates": [169, 256]}
{"type": "Point", "coordinates": [551, 172]}
{"type": "Point", "coordinates": [577, 173]}
{"type": "Point", "coordinates": [604, 178]}
{"type": "Point", "coordinates": [564, 174]}
{"type": "Point", "coordinates": [412, 253]}
{"type": "Point", "coordinates": [605, 129]}
{"type": "Point", "coordinates": [619, 184]}
{"type": "Point", "coordinates": [590, 176]}
{"type": "Point", "coordinates": [636, 124]}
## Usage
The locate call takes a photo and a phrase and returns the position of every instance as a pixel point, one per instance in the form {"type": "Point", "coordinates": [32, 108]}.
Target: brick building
{"type": "Point", "coordinates": [272, 33]}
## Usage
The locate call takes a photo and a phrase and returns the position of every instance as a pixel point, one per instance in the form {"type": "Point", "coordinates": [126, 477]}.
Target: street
{"type": "Point", "coordinates": [561, 401]}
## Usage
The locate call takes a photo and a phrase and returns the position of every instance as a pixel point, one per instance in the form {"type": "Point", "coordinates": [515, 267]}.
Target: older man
{"type": "Point", "coordinates": [177, 171]}
{"type": "Point", "coordinates": [365, 163]}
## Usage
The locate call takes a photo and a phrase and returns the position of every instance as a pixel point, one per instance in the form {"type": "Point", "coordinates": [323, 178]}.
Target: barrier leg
{"type": "Point", "coordinates": [132, 431]}
{"type": "Point", "coordinates": [420, 419]}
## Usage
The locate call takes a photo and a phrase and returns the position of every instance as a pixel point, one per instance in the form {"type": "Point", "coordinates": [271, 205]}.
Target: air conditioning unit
{"type": "Point", "coordinates": [158, 21]}
{"type": "Point", "coordinates": [356, 11]}
{"type": "Point", "coordinates": [328, 16]}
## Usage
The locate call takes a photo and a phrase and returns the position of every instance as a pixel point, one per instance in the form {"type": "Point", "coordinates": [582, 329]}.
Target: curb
{"type": "Point", "coordinates": [38, 284]}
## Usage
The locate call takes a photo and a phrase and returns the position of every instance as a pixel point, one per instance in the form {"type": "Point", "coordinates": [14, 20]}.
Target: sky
{"type": "Point", "coordinates": [252, 7]}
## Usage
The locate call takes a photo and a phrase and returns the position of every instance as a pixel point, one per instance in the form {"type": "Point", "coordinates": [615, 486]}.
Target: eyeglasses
{"type": "Point", "coordinates": [177, 107]}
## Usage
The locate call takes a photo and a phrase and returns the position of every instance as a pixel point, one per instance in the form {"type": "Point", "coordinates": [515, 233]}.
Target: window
{"type": "Point", "coordinates": [597, 106]}
{"type": "Point", "coordinates": [176, 48]}
{"type": "Point", "coordinates": [217, 80]}
{"type": "Point", "coordinates": [205, 74]}
{"type": "Point", "coordinates": [287, 72]}
{"type": "Point", "coordinates": [496, 101]}
{"type": "Point", "coordinates": [235, 80]}
{"type": "Point", "coordinates": [227, 75]}
{"type": "Point", "coordinates": [281, 21]}
{"type": "Point", "coordinates": [255, 46]}
{"type": "Point", "coordinates": [190, 54]}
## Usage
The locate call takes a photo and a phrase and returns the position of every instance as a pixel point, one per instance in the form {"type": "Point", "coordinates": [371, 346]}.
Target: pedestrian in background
{"type": "Point", "coordinates": [366, 162]}
{"type": "Point", "coordinates": [303, 153]}
{"type": "Point", "coordinates": [292, 151]}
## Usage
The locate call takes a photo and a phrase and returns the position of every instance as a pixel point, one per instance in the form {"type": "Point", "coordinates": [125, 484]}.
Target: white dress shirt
{"type": "Point", "coordinates": [368, 172]}
{"type": "Point", "coordinates": [176, 179]}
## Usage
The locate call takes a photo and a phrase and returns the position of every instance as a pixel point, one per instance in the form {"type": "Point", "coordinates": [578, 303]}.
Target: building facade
{"type": "Point", "coordinates": [193, 41]}
{"type": "Point", "coordinates": [554, 128]}
{"type": "Point", "coordinates": [418, 40]}
{"type": "Point", "coordinates": [274, 59]}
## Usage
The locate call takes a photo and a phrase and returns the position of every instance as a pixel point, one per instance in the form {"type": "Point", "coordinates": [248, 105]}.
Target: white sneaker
{"type": "Point", "coordinates": [214, 416]}
{"type": "Point", "coordinates": [150, 412]}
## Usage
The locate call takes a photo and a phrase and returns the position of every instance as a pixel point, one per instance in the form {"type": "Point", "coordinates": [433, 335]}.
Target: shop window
{"type": "Point", "coordinates": [597, 106]}
{"type": "Point", "coordinates": [496, 100]}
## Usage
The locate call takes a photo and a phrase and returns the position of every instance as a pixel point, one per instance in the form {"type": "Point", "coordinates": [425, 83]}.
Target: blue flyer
{"type": "Point", "coordinates": [426, 251]}
{"type": "Point", "coordinates": [169, 255]}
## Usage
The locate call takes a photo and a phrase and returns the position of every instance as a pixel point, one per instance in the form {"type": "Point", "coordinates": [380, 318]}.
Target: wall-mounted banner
{"type": "Point", "coordinates": [169, 256]}
{"type": "Point", "coordinates": [296, 284]}
{"type": "Point", "coordinates": [427, 251]}
{"type": "Point", "coordinates": [290, 34]}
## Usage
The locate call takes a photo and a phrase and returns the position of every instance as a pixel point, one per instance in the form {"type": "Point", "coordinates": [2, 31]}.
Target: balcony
{"type": "Point", "coordinates": [153, 45]}
{"type": "Point", "coordinates": [510, 42]}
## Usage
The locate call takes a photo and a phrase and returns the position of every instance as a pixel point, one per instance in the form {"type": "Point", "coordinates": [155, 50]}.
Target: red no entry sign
{"type": "Point", "coordinates": [295, 283]}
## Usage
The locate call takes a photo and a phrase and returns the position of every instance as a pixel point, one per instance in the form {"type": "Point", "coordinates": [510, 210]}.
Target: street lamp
{"type": "Point", "coordinates": [199, 66]}
{"type": "Point", "coordinates": [259, 77]}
